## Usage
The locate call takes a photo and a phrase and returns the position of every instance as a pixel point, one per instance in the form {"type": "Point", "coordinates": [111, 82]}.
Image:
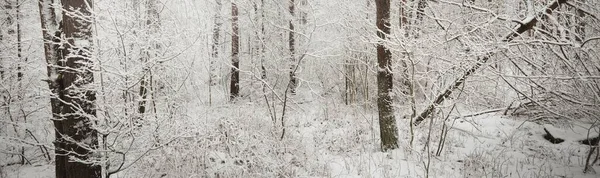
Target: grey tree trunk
{"type": "Point", "coordinates": [215, 44]}
{"type": "Point", "coordinates": [263, 75]}
{"type": "Point", "coordinates": [51, 35]}
{"type": "Point", "coordinates": [387, 120]}
{"type": "Point", "coordinates": [7, 32]}
{"type": "Point", "coordinates": [291, 42]}
{"type": "Point", "coordinates": [17, 6]}
{"type": "Point", "coordinates": [235, 58]}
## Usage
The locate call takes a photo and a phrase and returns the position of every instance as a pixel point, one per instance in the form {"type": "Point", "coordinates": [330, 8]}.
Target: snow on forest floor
{"type": "Point", "coordinates": [334, 140]}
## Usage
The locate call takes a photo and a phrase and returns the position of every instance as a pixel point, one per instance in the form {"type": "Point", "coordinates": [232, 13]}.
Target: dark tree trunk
{"type": "Point", "coordinates": [79, 100]}
{"type": "Point", "coordinates": [263, 76]}
{"type": "Point", "coordinates": [387, 120]}
{"type": "Point", "coordinates": [19, 40]}
{"type": "Point", "coordinates": [72, 102]}
{"type": "Point", "coordinates": [235, 58]}
{"type": "Point", "coordinates": [291, 43]}
{"type": "Point", "coordinates": [144, 96]}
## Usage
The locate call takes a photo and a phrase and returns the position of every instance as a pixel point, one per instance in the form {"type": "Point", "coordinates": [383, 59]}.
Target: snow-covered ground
{"type": "Point", "coordinates": [334, 140]}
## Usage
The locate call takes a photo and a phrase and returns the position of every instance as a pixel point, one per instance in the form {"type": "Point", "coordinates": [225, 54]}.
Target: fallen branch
{"type": "Point", "coordinates": [525, 25]}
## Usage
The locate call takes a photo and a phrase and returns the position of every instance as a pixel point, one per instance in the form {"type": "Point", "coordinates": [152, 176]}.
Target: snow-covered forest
{"type": "Point", "coordinates": [299, 88]}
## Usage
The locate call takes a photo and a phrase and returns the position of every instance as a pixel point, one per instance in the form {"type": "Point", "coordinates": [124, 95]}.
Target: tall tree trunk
{"type": "Point", "coordinates": [407, 87]}
{"type": "Point", "coordinates": [51, 36]}
{"type": "Point", "coordinates": [403, 15]}
{"type": "Point", "coordinates": [387, 120]}
{"type": "Point", "coordinates": [215, 44]}
{"type": "Point", "coordinates": [421, 5]}
{"type": "Point", "coordinates": [17, 6]}
{"type": "Point", "coordinates": [6, 33]}
{"type": "Point", "coordinates": [214, 55]}
{"type": "Point", "coordinates": [10, 32]}
{"type": "Point", "coordinates": [263, 75]}
{"type": "Point", "coordinates": [262, 42]}
{"type": "Point", "coordinates": [153, 27]}
{"type": "Point", "coordinates": [235, 58]}
{"type": "Point", "coordinates": [19, 41]}
{"type": "Point", "coordinates": [258, 41]}
{"type": "Point", "coordinates": [580, 24]}
{"type": "Point", "coordinates": [291, 42]}
{"type": "Point", "coordinates": [79, 100]}
{"type": "Point", "coordinates": [69, 72]}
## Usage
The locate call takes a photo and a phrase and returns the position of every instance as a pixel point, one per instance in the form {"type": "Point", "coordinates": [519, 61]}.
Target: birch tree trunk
{"type": "Point", "coordinates": [17, 6]}
{"type": "Point", "coordinates": [291, 42]}
{"type": "Point", "coordinates": [51, 36]}
{"type": "Point", "coordinates": [6, 36]}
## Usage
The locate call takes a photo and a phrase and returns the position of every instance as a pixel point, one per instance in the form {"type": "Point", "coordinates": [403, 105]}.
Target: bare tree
{"type": "Point", "coordinates": [17, 6]}
{"type": "Point", "coordinates": [215, 43]}
{"type": "Point", "coordinates": [403, 14]}
{"type": "Point", "coordinates": [263, 75]}
{"type": "Point", "coordinates": [51, 35]}
{"type": "Point", "coordinates": [7, 34]}
{"type": "Point", "coordinates": [151, 52]}
{"type": "Point", "coordinates": [387, 120]}
{"type": "Point", "coordinates": [5, 28]}
{"type": "Point", "coordinates": [291, 43]}
{"type": "Point", "coordinates": [11, 34]}
{"type": "Point", "coordinates": [526, 25]}
{"type": "Point", "coordinates": [235, 58]}
{"type": "Point", "coordinates": [69, 72]}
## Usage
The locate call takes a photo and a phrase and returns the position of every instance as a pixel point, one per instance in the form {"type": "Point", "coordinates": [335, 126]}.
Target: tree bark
{"type": "Point", "coordinates": [403, 15]}
{"type": "Point", "coordinates": [263, 75]}
{"type": "Point", "coordinates": [6, 33]}
{"type": "Point", "coordinates": [215, 44]}
{"type": "Point", "coordinates": [387, 120]}
{"type": "Point", "coordinates": [51, 36]}
{"type": "Point", "coordinates": [291, 43]}
{"type": "Point", "coordinates": [69, 72]}
{"type": "Point", "coordinates": [235, 59]}
{"type": "Point", "coordinates": [19, 41]}
{"type": "Point", "coordinates": [79, 100]}
{"type": "Point", "coordinates": [10, 33]}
